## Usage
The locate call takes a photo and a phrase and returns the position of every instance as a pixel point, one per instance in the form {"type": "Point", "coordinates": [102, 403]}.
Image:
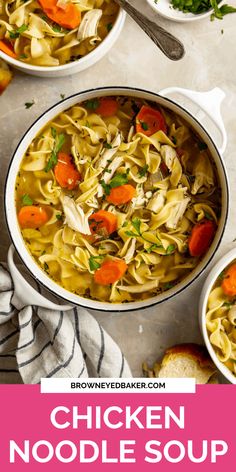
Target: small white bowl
{"type": "Point", "coordinates": [76, 66]}
{"type": "Point", "coordinates": [207, 287]}
{"type": "Point", "coordinates": [164, 8]}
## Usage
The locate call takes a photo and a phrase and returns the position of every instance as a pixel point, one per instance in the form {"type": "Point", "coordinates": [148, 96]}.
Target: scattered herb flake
{"type": "Point", "coordinates": [26, 200]}
{"type": "Point", "coordinates": [143, 171]}
{"type": "Point", "coordinates": [29, 104]}
{"type": "Point", "coordinates": [170, 249]}
{"type": "Point", "coordinates": [95, 262]}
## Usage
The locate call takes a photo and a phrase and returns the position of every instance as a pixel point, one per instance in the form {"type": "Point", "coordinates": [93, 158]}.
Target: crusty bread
{"type": "Point", "coordinates": [5, 76]}
{"type": "Point", "coordinates": [187, 360]}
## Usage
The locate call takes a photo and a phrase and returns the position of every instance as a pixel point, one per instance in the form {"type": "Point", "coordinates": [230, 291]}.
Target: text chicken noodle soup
{"type": "Point", "coordinates": [221, 317]}
{"type": "Point", "coordinates": [54, 32]}
{"type": "Point", "coordinates": [117, 199]}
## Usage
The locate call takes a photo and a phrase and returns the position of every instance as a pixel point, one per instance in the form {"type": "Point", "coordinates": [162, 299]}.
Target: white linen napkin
{"type": "Point", "coordinates": [39, 338]}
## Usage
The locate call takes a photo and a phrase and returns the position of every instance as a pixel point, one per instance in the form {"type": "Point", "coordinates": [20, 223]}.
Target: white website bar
{"type": "Point", "coordinates": [114, 385]}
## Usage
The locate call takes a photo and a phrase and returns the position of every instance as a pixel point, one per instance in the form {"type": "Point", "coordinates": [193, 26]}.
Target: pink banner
{"type": "Point", "coordinates": [109, 432]}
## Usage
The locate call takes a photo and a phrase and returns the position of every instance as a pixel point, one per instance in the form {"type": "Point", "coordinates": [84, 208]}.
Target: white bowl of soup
{"type": "Point", "coordinates": [116, 199]}
{"type": "Point", "coordinates": [57, 38]}
{"type": "Point", "coordinates": [217, 315]}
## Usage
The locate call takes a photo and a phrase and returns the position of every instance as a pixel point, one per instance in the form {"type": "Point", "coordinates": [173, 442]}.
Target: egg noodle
{"type": "Point", "coordinates": [54, 33]}
{"type": "Point", "coordinates": [174, 187]}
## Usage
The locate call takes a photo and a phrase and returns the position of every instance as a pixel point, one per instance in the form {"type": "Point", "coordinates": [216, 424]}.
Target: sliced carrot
{"type": "Point", "coordinates": [65, 172]}
{"type": "Point", "coordinates": [201, 237]}
{"type": "Point", "coordinates": [50, 5]}
{"type": "Point", "coordinates": [122, 194]}
{"type": "Point", "coordinates": [110, 272]}
{"type": "Point", "coordinates": [103, 221]}
{"type": "Point", "coordinates": [32, 216]}
{"type": "Point", "coordinates": [68, 17]}
{"type": "Point", "coordinates": [229, 283]}
{"type": "Point", "coordinates": [107, 107]}
{"type": "Point", "coordinates": [6, 47]}
{"type": "Point", "coordinates": [149, 121]}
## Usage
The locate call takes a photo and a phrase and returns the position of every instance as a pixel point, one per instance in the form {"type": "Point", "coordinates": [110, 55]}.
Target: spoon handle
{"type": "Point", "coordinates": [169, 45]}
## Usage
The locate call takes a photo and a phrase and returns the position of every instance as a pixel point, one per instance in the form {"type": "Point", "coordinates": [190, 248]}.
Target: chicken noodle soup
{"type": "Point", "coordinates": [221, 317]}
{"type": "Point", "coordinates": [54, 32]}
{"type": "Point", "coordinates": [117, 199]}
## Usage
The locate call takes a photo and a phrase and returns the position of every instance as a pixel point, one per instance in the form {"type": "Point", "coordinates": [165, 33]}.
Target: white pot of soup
{"type": "Point", "coordinates": [117, 198]}
{"type": "Point", "coordinates": [57, 38]}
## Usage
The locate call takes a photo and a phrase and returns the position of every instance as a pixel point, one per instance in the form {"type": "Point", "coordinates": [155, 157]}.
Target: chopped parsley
{"type": "Point", "coordinates": [202, 146]}
{"type": "Point", "coordinates": [144, 125]}
{"type": "Point", "coordinates": [62, 95]}
{"type": "Point", "coordinates": [92, 104]}
{"type": "Point", "coordinates": [59, 140]}
{"type": "Point", "coordinates": [109, 26]}
{"type": "Point", "coordinates": [29, 104]}
{"type": "Point", "coordinates": [107, 145]}
{"type": "Point", "coordinates": [143, 171]}
{"type": "Point", "coordinates": [59, 216]}
{"type": "Point", "coordinates": [26, 200]}
{"type": "Point", "coordinates": [170, 249]}
{"type": "Point", "coordinates": [15, 34]}
{"type": "Point", "coordinates": [116, 181]}
{"type": "Point", "coordinates": [95, 262]}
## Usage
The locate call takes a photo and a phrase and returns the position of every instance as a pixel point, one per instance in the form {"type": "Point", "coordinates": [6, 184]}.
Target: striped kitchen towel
{"type": "Point", "coordinates": [38, 342]}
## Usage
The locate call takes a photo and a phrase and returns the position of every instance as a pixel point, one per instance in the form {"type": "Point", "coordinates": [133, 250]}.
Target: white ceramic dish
{"type": "Point", "coordinates": [164, 8]}
{"type": "Point", "coordinates": [208, 285]}
{"type": "Point", "coordinates": [76, 66]}
{"type": "Point", "coordinates": [210, 101]}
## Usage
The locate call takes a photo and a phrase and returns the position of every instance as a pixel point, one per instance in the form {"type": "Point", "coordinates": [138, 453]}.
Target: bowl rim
{"type": "Point", "coordinates": [24, 67]}
{"type": "Point", "coordinates": [129, 306]}
{"type": "Point", "coordinates": [222, 263]}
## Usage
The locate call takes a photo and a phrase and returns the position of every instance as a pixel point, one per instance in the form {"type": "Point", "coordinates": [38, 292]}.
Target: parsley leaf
{"type": "Point", "coordinates": [26, 200]}
{"type": "Point", "coordinates": [170, 249]}
{"type": "Point", "coordinates": [59, 141]}
{"type": "Point", "coordinates": [116, 181]}
{"type": "Point", "coordinates": [92, 104]}
{"type": "Point", "coordinates": [93, 264]}
{"type": "Point", "coordinates": [144, 125]}
{"type": "Point", "coordinates": [143, 171]}
{"type": "Point", "coordinates": [29, 104]}
{"type": "Point", "coordinates": [15, 34]}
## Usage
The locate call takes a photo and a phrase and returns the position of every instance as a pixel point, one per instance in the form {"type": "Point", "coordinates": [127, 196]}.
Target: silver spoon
{"type": "Point", "coordinates": [169, 45]}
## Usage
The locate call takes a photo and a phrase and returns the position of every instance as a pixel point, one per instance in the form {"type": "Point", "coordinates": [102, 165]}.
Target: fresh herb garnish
{"type": "Point", "coordinates": [136, 223]}
{"type": "Point", "coordinates": [62, 95]}
{"type": "Point", "coordinates": [208, 216]}
{"type": "Point", "coordinates": [152, 247]}
{"type": "Point", "coordinates": [107, 145]}
{"type": "Point", "coordinates": [116, 181]}
{"type": "Point", "coordinates": [15, 34]}
{"type": "Point", "coordinates": [29, 104]}
{"type": "Point", "coordinates": [109, 26]}
{"type": "Point", "coordinates": [168, 285]}
{"type": "Point", "coordinates": [144, 125]}
{"type": "Point", "coordinates": [95, 262]}
{"type": "Point", "coordinates": [170, 249]}
{"type": "Point", "coordinates": [92, 104]}
{"type": "Point", "coordinates": [196, 7]}
{"type": "Point", "coordinates": [26, 200]}
{"type": "Point", "coordinates": [221, 276]}
{"type": "Point", "coordinates": [59, 216]}
{"type": "Point", "coordinates": [202, 146]}
{"type": "Point", "coordinates": [59, 140]}
{"type": "Point", "coordinates": [143, 171]}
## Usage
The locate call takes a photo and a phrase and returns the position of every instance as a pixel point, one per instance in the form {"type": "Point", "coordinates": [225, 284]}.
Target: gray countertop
{"type": "Point", "coordinates": [135, 61]}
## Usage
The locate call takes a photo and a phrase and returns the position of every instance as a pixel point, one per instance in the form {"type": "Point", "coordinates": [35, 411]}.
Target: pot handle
{"type": "Point", "coordinates": [210, 102]}
{"type": "Point", "coordinates": [24, 293]}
